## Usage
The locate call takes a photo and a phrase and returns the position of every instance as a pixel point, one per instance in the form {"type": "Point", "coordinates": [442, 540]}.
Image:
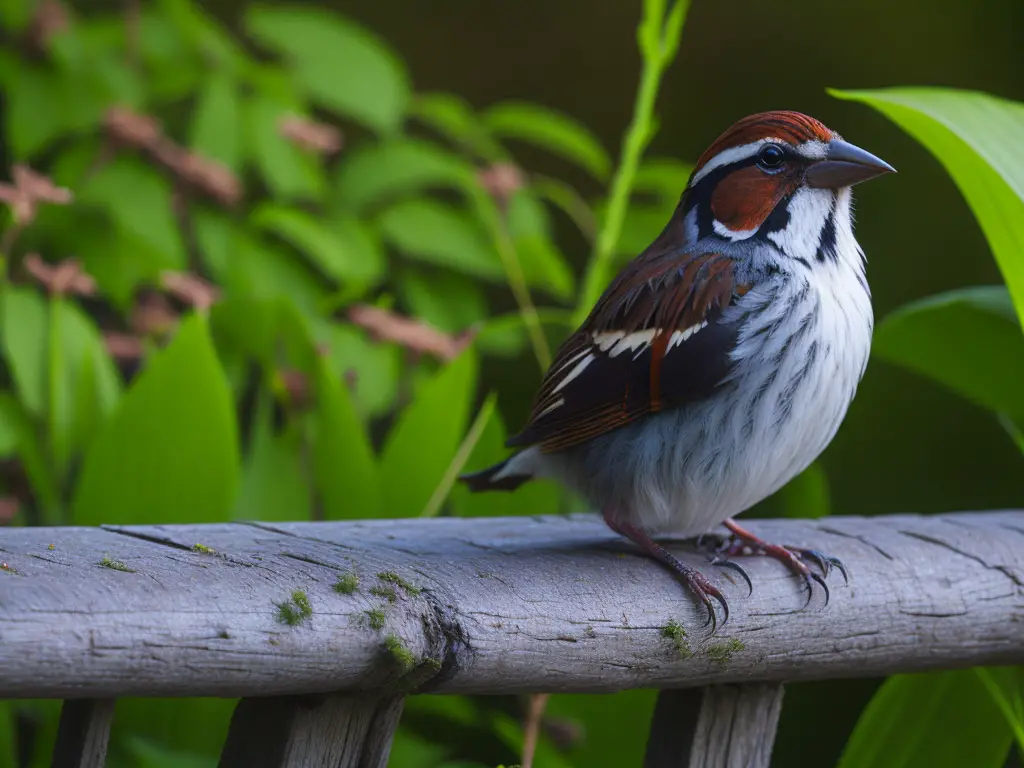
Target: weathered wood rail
{"type": "Point", "coordinates": [484, 606]}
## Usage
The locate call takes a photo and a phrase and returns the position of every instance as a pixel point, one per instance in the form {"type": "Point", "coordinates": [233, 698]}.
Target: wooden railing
{"type": "Point", "coordinates": [274, 614]}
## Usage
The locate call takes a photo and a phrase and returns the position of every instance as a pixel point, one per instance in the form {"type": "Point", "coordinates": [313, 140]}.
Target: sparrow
{"type": "Point", "coordinates": [720, 362]}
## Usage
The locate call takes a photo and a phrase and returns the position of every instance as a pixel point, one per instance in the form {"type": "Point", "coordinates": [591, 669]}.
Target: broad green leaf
{"type": "Point", "coordinates": [968, 340]}
{"type": "Point", "coordinates": [186, 726]}
{"type": "Point", "coordinates": [421, 445]}
{"type": "Point", "coordinates": [368, 262]}
{"type": "Point", "coordinates": [82, 384]}
{"type": "Point", "coordinates": [341, 65]}
{"type": "Point", "coordinates": [537, 497]}
{"type": "Point", "coordinates": [138, 198]}
{"type": "Point", "coordinates": [275, 484]}
{"type": "Point", "coordinates": [564, 197]}
{"type": "Point", "coordinates": [440, 234]}
{"type": "Point", "coordinates": [8, 433]}
{"type": "Point", "coordinates": [551, 130]}
{"type": "Point", "coordinates": [344, 467]}
{"type": "Point", "coordinates": [170, 449]}
{"type": "Point", "coordinates": [544, 266]}
{"type": "Point", "coordinates": [48, 368]}
{"type": "Point", "coordinates": [208, 38]}
{"type": "Point", "coordinates": [260, 271]}
{"type": "Point", "coordinates": [290, 172]}
{"type": "Point", "coordinates": [372, 368]}
{"type": "Point", "coordinates": [24, 337]}
{"type": "Point", "coordinates": [150, 755]}
{"type": "Point", "coordinates": [215, 235]}
{"type": "Point", "coordinates": [35, 114]}
{"type": "Point", "coordinates": [1005, 686]}
{"type": "Point", "coordinates": [929, 720]}
{"type": "Point", "coordinates": [616, 725]}
{"type": "Point", "coordinates": [452, 117]}
{"type": "Point", "coordinates": [216, 130]}
{"type": "Point", "coordinates": [8, 739]}
{"type": "Point", "coordinates": [506, 335]}
{"type": "Point", "coordinates": [445, 300]}
{"type": "Point", "coordinates": [445, 486]}
{"type": "Point", "coordinates": [806, 495]}
{"type": "Point", "coordinates": [375, 172]}
{"type": "Point", "coordinates": [313, 239]}
{"type": "Point", "coordinates": [976, 138]}
{"type": "Point", "coordinates": [30, 449]}
{"type": "Point", "coordinates": [664, 177]}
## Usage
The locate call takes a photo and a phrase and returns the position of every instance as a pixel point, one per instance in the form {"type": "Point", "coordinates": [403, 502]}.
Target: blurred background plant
{"type": "Point", "coordinates": [253, 269]}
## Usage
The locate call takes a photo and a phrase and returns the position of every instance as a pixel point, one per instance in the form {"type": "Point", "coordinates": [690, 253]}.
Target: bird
{"type": "Point", "coordinates": [718, 363]}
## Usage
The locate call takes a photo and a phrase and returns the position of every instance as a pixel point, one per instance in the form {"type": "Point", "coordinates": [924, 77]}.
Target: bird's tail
{"type": "Point", "coordinates": [503, 476]}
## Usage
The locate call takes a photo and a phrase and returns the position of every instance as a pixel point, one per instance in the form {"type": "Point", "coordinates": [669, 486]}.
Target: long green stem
{"type": "Point", "coordinates": [659, 40]}
{"type": "Point", "coordinates": [1013, 718]}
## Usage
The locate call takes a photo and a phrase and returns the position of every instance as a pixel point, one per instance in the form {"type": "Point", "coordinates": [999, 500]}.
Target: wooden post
{"type": "Point", "coordinates": [83, 733]}
{"type": "Point", "coordinates": [317, 731]}
{"type": "Point", "coordinates": [718, 726]}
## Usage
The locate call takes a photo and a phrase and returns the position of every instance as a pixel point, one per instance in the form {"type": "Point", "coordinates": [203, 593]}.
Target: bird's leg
{"type": "Point", "coordinates": [745, 543]}
{"type": "Point", "coordinates": [693, 579]}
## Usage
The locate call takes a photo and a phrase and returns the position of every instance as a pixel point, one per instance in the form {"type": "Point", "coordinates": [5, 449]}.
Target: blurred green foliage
{"type": "Point", "coordinates": [293, 266]}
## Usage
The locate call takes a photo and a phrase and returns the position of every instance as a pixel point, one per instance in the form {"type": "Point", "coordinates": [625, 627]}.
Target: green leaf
{"type": "Point", "coordinates": [506, 335]}
{"type": "Point", "coordinates": [421, 445]}
{"type": "Point", "coordinates": [929, 720]}
{"type": "Point", "coordinates": [290, 172]}
{"type": "Point", "coordinates": [368, 263]}
{"type": "Point", "coordinates": [215, 235]}
{"type": "Point", "coordinates": [445, 300]}
{"type": "Point", "coordinates": [216, 130]}
{"type": "Point", "coordinates": [344, 467]}
{"type": "Point", "coordinates": [1005, 686]}
{"type": "Point", "coordinates": [451, 116]}
{"type": "Point", "coordinates": [551, 130]}
{"type": "Point", "coordinates": [806, 495]}
{"type": "Point", "coordinates": [664, 177]}
{"type": "Point", "coordinates": [976, 138]}
{"type": "Point", "coordinates": [139, 200]}
{"type": "Point", "coordinates": [537, 497]}
{"type": "Point", "coordinates": [24, 337]}
{"type": "Point", "coordinates": [8, 739]}
{"type": "Point", "coordinates": [440, 234]}
{"type": "Point", "coordinates": [314, 240]}
{"type": "Point", "coordinates": [341, 65]}
{"type": "Point", "coordinates": [196, 726]}
{"type": "Point", "coordinates": [374, 366]}
{"type": "Point", "coordinates": [33, 457]}
{"type": "Point", "coordinates": [968, 340]}
{"type": "Point", "coordinates": [466, 447]}
{"type": "Point", "coordinates": [376, 172]}
{"type": "Point", "coordinates": [82, 382]}
{"type": "Point", "coordinates": [170, 449]}
{"type": "Point", "coordinates": [261, 271]}
{"type": "Point", "coordinates": [275, 484]}
{"type": "Point", "coordinates": [150, 755]}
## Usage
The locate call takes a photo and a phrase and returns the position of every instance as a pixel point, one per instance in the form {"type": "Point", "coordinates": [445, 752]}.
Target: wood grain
{"type": "Point", "coordinates": [542, 604]}
{"type": "Point", "coordinates": [718, 726]}
{"type": "Point", "coordinates": [312, 732]}
{"type": "Point", "coordinates": [83, 733]}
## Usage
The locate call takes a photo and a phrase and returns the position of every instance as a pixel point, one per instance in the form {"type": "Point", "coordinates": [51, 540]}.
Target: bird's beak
{"type": "Point", "coordinates": [844, 166]}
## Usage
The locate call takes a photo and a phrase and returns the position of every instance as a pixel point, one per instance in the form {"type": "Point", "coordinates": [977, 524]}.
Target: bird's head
{"type": "Point", "coordinates": [782, 176]}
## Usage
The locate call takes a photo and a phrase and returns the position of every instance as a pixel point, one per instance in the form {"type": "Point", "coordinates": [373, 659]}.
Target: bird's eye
{"type": "Point", "coordinates": [770, 157]}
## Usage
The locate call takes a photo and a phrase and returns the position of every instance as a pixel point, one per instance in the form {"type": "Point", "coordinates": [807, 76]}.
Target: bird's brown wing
{"type": "Point", "coordinates": [654, 340]}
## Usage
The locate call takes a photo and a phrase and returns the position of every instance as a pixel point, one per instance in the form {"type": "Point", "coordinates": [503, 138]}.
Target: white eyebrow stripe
{"type": "Point", "coordinates": [732, 155]}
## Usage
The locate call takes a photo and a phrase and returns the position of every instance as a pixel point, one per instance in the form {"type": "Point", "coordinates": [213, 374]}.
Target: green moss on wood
{"type": "Point", "coordinates": [376, 617]}
{"type": "Point", "coordinates": [400, 652]}
{"type": "Point", "coordinates": [721, 653]}
{"type": "Point", "coordinates": [295, 610]}
{"type": "Point", "coordinates": [674, 632]}
{"type": "Point", "coordinates": [203, 549]}
{"type": "Point", "coordinates": [115, 565]}
{"type": "Point", "coordinates": [347, 584]}
{"type": "Point", "coordinates": [391, 577]}
{"type": "Point", "coordinates": [385, 592]}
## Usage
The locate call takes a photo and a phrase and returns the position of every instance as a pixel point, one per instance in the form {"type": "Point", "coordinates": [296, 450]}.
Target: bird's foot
{"type": "Point", "coordinates": [742, 543]}
{"type": "Point", "coordinates": [692, 578]}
